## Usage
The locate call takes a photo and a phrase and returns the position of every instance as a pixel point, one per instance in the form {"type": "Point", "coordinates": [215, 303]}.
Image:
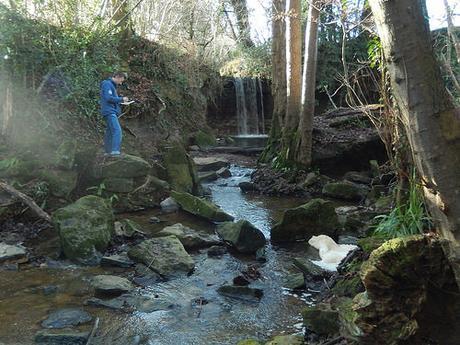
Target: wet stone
{"type": "Point", "coordinates": [64, 337]}
{"type": "Point", "coordinates": [111, 285]}
{"type": "Point", "coordinates": [294, 281]}
{"type": "Point", "coordinates": [68, 317]}
{"type": "Point", "coordinates": [12, 253]}
{"type": "Point", "coordinates": [217, 251]}
{"type": "Point", "coordinates": [169, 205]}
{"type": "Point", "coordinates": [244, 293]}
{"type": "Point", "coordinates": [117, 260]}
{"type": "Point", "coordinates": [132, 302]}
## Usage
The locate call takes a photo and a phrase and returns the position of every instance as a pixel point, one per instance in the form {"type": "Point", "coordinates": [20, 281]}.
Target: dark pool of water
{"type": "Point", "coordinates": [221, 321]}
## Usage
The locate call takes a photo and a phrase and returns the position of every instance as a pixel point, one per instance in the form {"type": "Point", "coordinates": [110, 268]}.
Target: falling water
{"type": "Point", "coordinates": [262, 111]}
{"type": "Point", "coordinates": [241, 111]}
{"type": "Point", "coordinates": [247, 108]}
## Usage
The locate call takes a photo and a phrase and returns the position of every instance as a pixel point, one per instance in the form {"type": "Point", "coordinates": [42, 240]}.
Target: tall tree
{"type": "Point", "coordinates": [293, 79]}
{"type": "Point", "coordinates": [304, 147]}
{"type": "Point", "coordinates": [451, 30]}
{"type": "Point", "coordinates": [242, 18]}
{"type": "Point", "coordinates": [431, 122]}
{"type": "Point", "coordinates": [278, 78]}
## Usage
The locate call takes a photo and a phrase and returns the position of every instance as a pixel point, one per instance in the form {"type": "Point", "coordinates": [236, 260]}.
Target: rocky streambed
{"type": "Point", "coordinates": [228, 297]}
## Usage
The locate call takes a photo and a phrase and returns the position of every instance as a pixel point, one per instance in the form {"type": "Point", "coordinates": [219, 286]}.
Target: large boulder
{"type": "Point", "coordinates": [111, 285]}
{"type": "Point", "coordinates": [181, 170]}
{"type": "Point", "coordinates": [65, 155]}
{"type": "Point", "coordinates": [164, 255]}
{"type": "Point", "coordinates": [345, 191]}
{"type": "Point", "coordinates": [321, 319]}
{"type": "Point", "coordinates": [400, 300]}
{"type": "Point", "coordinates": [125, 166]}
{"type": "Point", "coordinates": [61, 182]}
{"type": "Point", "coordinates": [190, 238]}
{"type": "Point", "coordinates": [242, 235]}
{"type": "Point", "coordinates": [316, 217]}
{"type": "Point", "coordinates": [85, 228]}
{"type": "Point", "coordinates": [200, 207]}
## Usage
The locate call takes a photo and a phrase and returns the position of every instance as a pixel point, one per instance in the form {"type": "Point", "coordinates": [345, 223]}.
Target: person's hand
{"type": "Point", "coordinates": [125, 99]}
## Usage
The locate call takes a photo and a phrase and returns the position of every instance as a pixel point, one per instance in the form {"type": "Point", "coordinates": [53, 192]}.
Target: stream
{"type": "Point", "coordinates": [190, 309]}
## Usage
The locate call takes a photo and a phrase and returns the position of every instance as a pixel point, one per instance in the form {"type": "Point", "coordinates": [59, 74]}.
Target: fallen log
{"type": "Point", "coordinates": [26, 200]}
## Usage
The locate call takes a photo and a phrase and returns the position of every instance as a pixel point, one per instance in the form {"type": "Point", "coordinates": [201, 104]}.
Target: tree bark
{"type": "Point", "coordinates": [431, 121]}
{"type": "Point", "coordinates": [451, 30]}
{"type": "Point", "coordinates": [293, 79]}
{"type": "Point", "coordinates": [242, 19]}
{"type": "Point", "coordinates": [278, 79]}
{"type": "Point", "coordinates": [308, 85]}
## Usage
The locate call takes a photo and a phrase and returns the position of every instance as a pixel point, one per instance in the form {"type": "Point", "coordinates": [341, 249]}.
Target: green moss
{"type": "Point", "coordinates": [321, 319]}
{"type": "Point", "coordinates": [348, 287]}
{"type": "Point", "coordinates": [200, 207]}
{"type": "Point", "coordinates": [249, 342]}
{"type": "Point", "coordinates": [125, 166]}
{"type": "Point", "coordinates": [313, 218]}
{"type": "Point", "coordinates": [61, 182]}
{"type": "Point", "coordinates": [204, 139]}
{"type": "Point", "coordinates": [180, 169]}
{"type": "Point", "coordinates": [65, 155]}
{"type": "Point", "coordinates": [85, 228]}
{"type": "Point", "coordinates": [348, 316]}
{"type": "Point", "coordinates": [368, 244]}
{"type": "Point", "coordinates": [344, 190]}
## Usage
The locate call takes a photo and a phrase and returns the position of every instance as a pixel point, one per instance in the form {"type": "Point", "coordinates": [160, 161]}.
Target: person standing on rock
{"type": "Point", "coordinates": [110, 110]}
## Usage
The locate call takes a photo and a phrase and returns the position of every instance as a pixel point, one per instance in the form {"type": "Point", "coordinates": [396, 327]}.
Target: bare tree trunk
{"type": "Point", "coordinates": [431, 122]}
{"type": "Point", "coordinates": [278, 79]}
{"type": "Point", "coordinates": [451, 30]}
{"type": "Point", "coordinates": [308, 85]}
{"type": "Point", "coordinates": [293, 79]}
{"type": "Point", "coordinates": [242, 19]}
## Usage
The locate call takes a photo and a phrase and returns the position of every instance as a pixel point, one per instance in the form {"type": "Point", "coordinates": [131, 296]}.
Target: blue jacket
{"type": "Point", "coordinates": [110, 101]}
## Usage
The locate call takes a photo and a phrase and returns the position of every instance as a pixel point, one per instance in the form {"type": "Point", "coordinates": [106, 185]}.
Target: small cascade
{"type": "Point", "coordinates": [241, 111]}
{"type": "Point", "coordinates": [262, 111]}
{"type": "Point", "coordinates": [250, 115]}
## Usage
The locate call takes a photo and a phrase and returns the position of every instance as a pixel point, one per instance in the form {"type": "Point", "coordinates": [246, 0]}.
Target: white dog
{"type": "Point", "coordinates": [331, 253]}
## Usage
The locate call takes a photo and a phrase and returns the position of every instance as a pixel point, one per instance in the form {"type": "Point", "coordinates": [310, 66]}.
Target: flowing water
{"type": "Point", "coordinates": [215, 319]}
{"type": "Point", "coordinates": [250, 113]}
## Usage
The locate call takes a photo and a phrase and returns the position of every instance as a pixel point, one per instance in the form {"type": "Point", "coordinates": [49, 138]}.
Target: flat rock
{"type": "Point", "coordinates": [207, 176]}
{"type": "Point", "coordinates": [217, 251]}
{"type": "Point", "coordinates": [241, 292]}
{"type": "Point", "coordinates": [163, 255]}
{"type": "Point", "coordinates": [111, 285]}
{"type": "Point", "coordinates": [210, 163]}
{"type": "Point", "coordinates": [117, 260]}
{"type": "Point", "coordinates": [68, 317]}
{"type": "Point", "coordinates": [125, 166]}
{"type": "Point", "coordinates": [132, 302]}
{"type": "Point", "coordinates": [310, 269]}
{"type": "Point", "coordinates": [12, 253]}
{"type": "Point", "coordinates": [190, 238]}
{"type": "Point", "coordinates": [224, 172]}
{"type": "Point", "coordinates": [200, 207]}
{"type": "Point", "coordinates": [64, 337]}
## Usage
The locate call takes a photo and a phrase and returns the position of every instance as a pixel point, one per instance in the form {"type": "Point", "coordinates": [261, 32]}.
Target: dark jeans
{"type": "Point", "coordinates": [113, 135]}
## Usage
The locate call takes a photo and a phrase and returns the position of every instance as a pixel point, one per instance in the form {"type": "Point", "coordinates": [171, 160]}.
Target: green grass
{"type": "Point", "coordinates": [408, 218]}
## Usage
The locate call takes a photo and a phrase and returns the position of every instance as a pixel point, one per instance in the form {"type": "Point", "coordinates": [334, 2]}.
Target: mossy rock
{"type": "Point", "coordinates": [348, 316]}
{"type": "Point", "coordinates": [344, 191]}
{"type": "Point", "coordinates": [242, 235]}
{"type": "Point", "coordinates": [286, 340]}
{"type": "Point", "coordinates": [61, 182]}
{"type": "Point", "coordinates": [248, 342]}
{"type": "Point", "coordinates": [321, 319]}
{"type": "Point", "coordinates": [348, 287]}
{"type": "Point", "coordinates": [125, 166]}
{"type": "Point", "coordinates": [368, 244]}
{"type": "Point", "coordinates": [204, 139]}
{"type": "Point", "coordinates": [65, 155]}
{"type": "Point", "coordinates": [118, 184]}
{"type": "Point", "coordinates": [316, 217]}
{"type": "Point", "coordinates": [200, 207]}
{"type": "Point", "coordinates": [164, 255]}
{"type": "Point", "coordinates": [23, 170]}
{"type": "Point", "coordinates": [181, 171]}
{"type": "Point", "coordinates": [85, 228]}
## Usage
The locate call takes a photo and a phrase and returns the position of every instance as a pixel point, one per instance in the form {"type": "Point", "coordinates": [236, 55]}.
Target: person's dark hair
{"type": "Point", "coordinates": [119, 74]}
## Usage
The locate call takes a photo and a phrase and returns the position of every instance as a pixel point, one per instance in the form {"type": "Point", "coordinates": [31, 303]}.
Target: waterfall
{"type": "Point", "coordinates": [262, 111]}
{"type": "Point", "coordinates": [241, 112]}
{"type": "Point", "coordinates": [247, 108]}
